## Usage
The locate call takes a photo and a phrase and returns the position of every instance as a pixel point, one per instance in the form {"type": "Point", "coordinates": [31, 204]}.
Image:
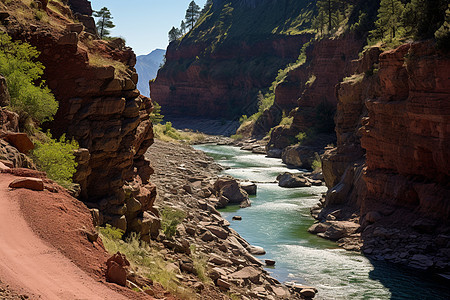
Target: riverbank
{"type": "Point", "coordinates": [185, 179]}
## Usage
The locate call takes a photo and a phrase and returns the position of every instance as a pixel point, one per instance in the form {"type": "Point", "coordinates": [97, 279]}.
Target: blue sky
{"type": "Point", "coordinates": [145, 23]}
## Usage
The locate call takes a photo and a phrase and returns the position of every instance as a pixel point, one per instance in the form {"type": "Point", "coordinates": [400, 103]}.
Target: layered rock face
{"type": "Point", "coordinates": [389, 171]}
{"type": "Point", "coordinates": [222, 84]}
{"type": "Point", "coordinates": [99, 105]}
{"type": "Point", "coordinates": [310, 90]}
{"type": "Point", "coordinates": [408, 132]}
{"type": "Point", "coordinates": [217, 69]}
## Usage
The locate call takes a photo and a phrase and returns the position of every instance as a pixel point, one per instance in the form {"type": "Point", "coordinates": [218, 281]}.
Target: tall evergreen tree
{"type": "Point", "coordinates": [174, 34]}
{"type": "Point", "coordinates": [389, 18]}
{"type": "Point", "coordinates": [192, 14]}
{"type": "Point", "coordinates": [422, 18]}
{"type": "Point", "coordinates": [104, 23]}
{"type": "Point", "coordinates": [183, 27]}
{"type": "Point", "coordinates": [330, 10]}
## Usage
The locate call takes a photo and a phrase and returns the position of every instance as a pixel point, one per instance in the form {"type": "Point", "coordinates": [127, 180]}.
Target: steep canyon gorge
{"type": "Point", "coordinates": [389, 169]}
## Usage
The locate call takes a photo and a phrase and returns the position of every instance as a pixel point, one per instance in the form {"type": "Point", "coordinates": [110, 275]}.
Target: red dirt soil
{"type": "Point", "coordinates": [44, 251]}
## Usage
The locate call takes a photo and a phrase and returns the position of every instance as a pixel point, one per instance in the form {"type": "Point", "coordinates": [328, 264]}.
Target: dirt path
{"type": "Point", "coordinates": [32, 267]}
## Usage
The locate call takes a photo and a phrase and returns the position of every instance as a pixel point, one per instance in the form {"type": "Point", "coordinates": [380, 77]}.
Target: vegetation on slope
{"type": "Point", "coordinates": [34, 103]}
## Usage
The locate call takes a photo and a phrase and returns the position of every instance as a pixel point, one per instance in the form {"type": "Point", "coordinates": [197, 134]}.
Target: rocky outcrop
{"type": "Point", "coordinates": [95, 84]}
{"type": "Point", "coordinates": [308, 89]}
{"type": "Point", "coordinates": [218, 68]}
{"type": "Point", "coordinates": [389, 171]}
{"type": "Point", "coordinates": [407, 134]}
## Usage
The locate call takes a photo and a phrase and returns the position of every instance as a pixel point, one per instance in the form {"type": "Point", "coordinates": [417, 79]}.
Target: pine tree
{"type": "Point", "coordinates": [389, 18]}
{"type": "Point", "coordinates": [207, 6]}
{"type": "Point", "coordinates": [319, 22]}
{"type": "Point", "coordinates": [183, 27]}
{"type": "Point", "coordinates": [104, 23]}
{"type": "Point", "coordinates": [192, 14]}
{"type": "Point", "coordinates": [422, 18]}
{"type": "Point", "coordinates": [174, 34]}
{"type": "Point", "coordinates": [330, 11]}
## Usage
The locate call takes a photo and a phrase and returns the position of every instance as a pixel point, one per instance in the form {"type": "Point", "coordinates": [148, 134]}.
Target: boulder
{"type": "Point", "coordinates": [250, 273]}
{"type": "Point", "coordinates": [318, 228]}
{"type": "Point", "coordinates": [30, 183]}
{"type": "Point", "coordinates": [9, 121]}
{"type": "Point", "coordinates": [229, 188]}
{"type": "Point", "coordinates": [299, 156]}
{"type": "Point", "coordinates": [218, 231]}
{"type": "Point", "coordinates": [256, 250]}
{"type": "Point", "coordinates": [269, 262]}
{"type": "Point", "coordinates": [70, 38]}
{"type": "Point", "coordinates": [75, 27]}
{"type": "Point", "coordinates": [20, 141]}
{"type": "Point", "coordinates": [339, 229]}
{"type": "Point", "coordinates": [117, 269]}
{"type": "Point", "coordinates": [223, 284]}
{"type": "Point", "coordinates": [237, 218]}
{"type": "Point", "coordinates": [249, 187]}
{"type": "Point", "coordinates": [290, 180]}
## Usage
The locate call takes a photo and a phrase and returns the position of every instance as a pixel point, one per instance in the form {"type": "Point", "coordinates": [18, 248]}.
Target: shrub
{"type": "Point", "coordinates": [56, 158]}
{"type": "Point", "coordinates": [156, 116]}
{"type": "Point", "coordinates": [18, 64]}
{"type": "Point", "coordinates": [236, 137]}
{"type": "Point", "coordinates": [317, 163]}
{"type": "Point", "coordinates": [170, 218]}
{"type": "Point", "coordinates": [301, 137]}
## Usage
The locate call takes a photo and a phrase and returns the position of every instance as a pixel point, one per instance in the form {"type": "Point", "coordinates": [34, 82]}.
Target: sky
{"type": "Point", "coordinates": [145, 23]}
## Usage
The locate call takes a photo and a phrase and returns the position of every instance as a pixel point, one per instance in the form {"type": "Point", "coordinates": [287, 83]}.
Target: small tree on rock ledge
{"type": "Point", "coordinates": [104, 23]}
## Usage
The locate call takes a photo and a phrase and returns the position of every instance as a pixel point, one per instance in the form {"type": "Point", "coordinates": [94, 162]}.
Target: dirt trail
{"type": "Point", "coordinates": [29, 265]}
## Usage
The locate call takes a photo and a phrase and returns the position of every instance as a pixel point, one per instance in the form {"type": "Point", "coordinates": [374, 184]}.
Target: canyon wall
{"type": "Point", "coordinates": [390, 169]}
{"type": "Point", "coordinates": [235, 50]}
{"type": "Point", "coordinates": [94, 82]}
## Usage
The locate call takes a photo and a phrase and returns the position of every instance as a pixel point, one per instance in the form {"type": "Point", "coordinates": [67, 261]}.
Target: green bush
{"type": "Point", "coordinates": [19, 66]}
{"type": "Point", "coordinates": [56, 158]}
{"type": "Point", "coordinates": [170, 218]}
{"type": "Point", "coordinates": [317, 163]}
{"type": "Point", "coordinates": [156, 116]}
{"type": "Point", "coordinates": [171, 132]}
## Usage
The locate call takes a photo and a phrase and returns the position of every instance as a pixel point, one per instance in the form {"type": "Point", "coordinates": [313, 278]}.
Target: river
{"type": "Point", "coordinates": [278, 221]}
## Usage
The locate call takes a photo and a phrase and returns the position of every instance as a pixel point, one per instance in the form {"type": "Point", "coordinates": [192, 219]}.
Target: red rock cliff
{"type": "Point", "coordinates": [95, 84]}
{"type": "Point", "coordinates": [407, 136]}
{"type": "Point", "coordinates": [223, 84]}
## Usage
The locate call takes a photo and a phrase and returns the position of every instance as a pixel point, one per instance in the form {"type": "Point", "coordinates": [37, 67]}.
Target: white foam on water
{"type": "Point", "coordinates": [336, 273]}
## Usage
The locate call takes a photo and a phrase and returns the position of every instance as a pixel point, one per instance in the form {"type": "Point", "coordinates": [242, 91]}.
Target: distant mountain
{"type": "Point", "coordinates": [147, 67]}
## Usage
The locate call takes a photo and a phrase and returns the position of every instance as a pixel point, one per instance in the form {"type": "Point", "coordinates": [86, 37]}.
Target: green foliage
{"type": "Point", "coordinates": [192, 14]}
{"type": "Point", "coordinates": [443, 33]}
{"type": "Point", "coordinates": [156, 116]}
{"type": "Point", "coordinates": [236, 137]}
{"type": "Point", "coordinates": [170, 131]}
{"type": "Point", "coordinates": [111, 233]}
{"type": "Point", "coordinates": [301, 136]}
{"type": "Point", "coordinates": [422, 18]}
{"type": "Point", "coordinates": [287, 121]}
{"type": "Point", "coordinates": [104, 23]}
{"type": "Point", "coordinates": [317, 163]}
{"type": "Point", "coordinates": [389, 19]}
{"type": "Point", "coordinates": [200, 262]}
{"type": "Point", "coordinates": [56, 158]}
{"type": "Point", "coordinates": [170, 218]}
{"type": "Point", "coordinates": [18, 64]}
{"type": "Point", "coordinates": [174, 34]}
{"type": "Point", "coordinates": [243, 119]}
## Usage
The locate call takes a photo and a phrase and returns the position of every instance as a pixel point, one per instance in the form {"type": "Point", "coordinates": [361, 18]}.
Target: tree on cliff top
{"type": "Point", "coordinates": [104, 23]}
{"type": "Point", "coordinates": [174, 34]}
{"type": "Point", "coordinates": [389, 18]}
{"type": "Point", "coordinates": [192, 14]}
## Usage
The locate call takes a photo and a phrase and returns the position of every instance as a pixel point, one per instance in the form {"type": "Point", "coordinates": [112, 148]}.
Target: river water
{"type": "Point", "coordinates": [278, 221]}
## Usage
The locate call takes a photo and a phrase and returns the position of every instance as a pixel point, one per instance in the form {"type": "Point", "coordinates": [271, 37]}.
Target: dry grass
{"type": "Point", "coordinates": [163, 133]}
{"type": "Point", "coordinates": [146, 261]}
{"type": "Point", "coordinates": [120, 69]}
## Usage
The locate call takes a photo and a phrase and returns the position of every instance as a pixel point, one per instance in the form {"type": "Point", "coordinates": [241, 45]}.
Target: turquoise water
{"type": "Point", "coordinates": [278, 221]}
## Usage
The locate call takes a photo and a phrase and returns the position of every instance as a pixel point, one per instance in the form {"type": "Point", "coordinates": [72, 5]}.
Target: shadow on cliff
{"type": "Point", "coordinates": [393, 277]}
